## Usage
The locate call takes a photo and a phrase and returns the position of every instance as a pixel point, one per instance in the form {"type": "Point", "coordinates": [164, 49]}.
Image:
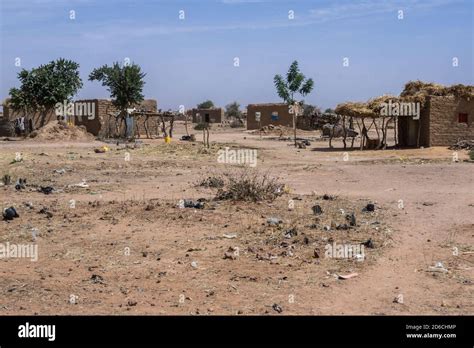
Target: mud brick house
{"type": "Point", "coordinates": [104, 124]}
{"type": "Point", "coordinates": [277, 114]}
{"type": "Point", "coordinates": [443, 121]}
{"type": "Point", "coordinates": [213, 115]}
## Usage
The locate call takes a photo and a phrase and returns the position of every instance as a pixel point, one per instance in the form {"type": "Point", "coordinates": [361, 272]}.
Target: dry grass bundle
{"type": "Point", "coordinates": [356, 109]}
{"type": "Point", "coordinates": [375, 104]}
{"type": "Point", "coordinates": [417, 91]}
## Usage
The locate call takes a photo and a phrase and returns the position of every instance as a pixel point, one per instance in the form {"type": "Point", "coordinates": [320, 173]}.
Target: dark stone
{"type": "Point", "coordinates": [351, 219]}
{"type": "Point", "coordinates": [46, 189]}
{"type": "Point", "coordinates": [291, 232]}
{"type": "Point", "coordinates": [369, 244]}
{"type": "Point", "coordinates": [317, 210]}
{"type": "Point", "coordinates": [370, 207]}
{"type": "Point", "coordinates": [10, 214]}
{"type": "Point", "coordinates": [277, 308]}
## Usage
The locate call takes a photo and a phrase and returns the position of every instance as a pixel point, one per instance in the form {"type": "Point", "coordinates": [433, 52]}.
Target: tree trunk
{"type": "Point", "coordinates": [294, 126]}
{"type": "Point", "coordinates": [344, 131]}
{"type": "Point", "coordinates": [186, 123]}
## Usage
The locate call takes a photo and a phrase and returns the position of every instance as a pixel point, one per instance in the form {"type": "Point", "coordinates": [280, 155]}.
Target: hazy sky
{"type": "Point", "coordinates": [192, 59]}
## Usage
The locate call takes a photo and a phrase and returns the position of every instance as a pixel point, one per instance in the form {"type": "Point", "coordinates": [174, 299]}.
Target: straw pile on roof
{"type": "Point", "coordinates": [376, 104]}
{"type": "Point", "coordinates": [414, 91]}
{"type": "Point", "coordinates": [417, 91]}
{"type": "Point", "coordinates": [354, 110]}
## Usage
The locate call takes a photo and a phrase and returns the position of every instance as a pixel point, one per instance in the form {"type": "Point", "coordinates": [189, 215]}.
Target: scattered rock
{"type": "Point", "coordinates": [231, 254]}
{"type": "Point", "coordinates": [369, 244]}
{"type": "Point", "coordinates": [398, 299]}
{"type": "Point", "coordinates": [46, 189]}
{"type": "Point", "coordinates": [369, 207]}
{"type": "Point", "coordinates": [20, 184]}
{"type": "Point", "coordinates": [351, 219]}
{"type": "Point", "coordinates": [191, 137]}
{"type": "Point", "coordinates": [10, 213]}
{"type": "Point", "coordinates": [29, 205]}
{"type": "Point", "coordinates": [327, 197]}
{"type": "Point", "coordinates": [273, 221]}
{"type": "Point", "coordinates": [97, 279]}
{"type": "Point", "coordinates": [291, 233]}
{"type": "Point", "coordinates": [347, 276]}
{"type": "Point", "coordinates": [439, 267]}
{"type": "Point", "coordinates": [342, 227]}
{"type": "Point", "coordinates": [131, 303]}
{"type": "Point", "coordinates": [45, 211]}
{"type": "Point", "coordinates": [317, 210]}
{"type": "Point", "coordinates": [277, 308]}
{"type": "Point", "coordinates": [199, 204]}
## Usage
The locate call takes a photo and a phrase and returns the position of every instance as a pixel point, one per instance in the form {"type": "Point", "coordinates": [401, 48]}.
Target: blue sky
{"type": "Point", "coordinates": [190, 60]}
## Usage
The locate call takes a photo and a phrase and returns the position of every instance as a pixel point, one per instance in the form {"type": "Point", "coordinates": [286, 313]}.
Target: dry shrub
{"type": "Point", "coordinates": [250, 186]}
{"type": "Point", "coordinates": [212, 181]}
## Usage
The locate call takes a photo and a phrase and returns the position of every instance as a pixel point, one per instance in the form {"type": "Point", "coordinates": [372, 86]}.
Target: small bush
{"type": "Point", "coordinates": [471, 154]}
{"type": "Point", "coordinates": [250, 186]}
{"type": "Point", "coordinates": [212, 181]}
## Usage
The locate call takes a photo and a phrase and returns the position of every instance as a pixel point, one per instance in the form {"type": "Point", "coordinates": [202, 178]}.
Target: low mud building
{"type": "Point", "coordinates": [277, 114]}
{"type": "Point", "coordinates": [212, 115]}
{"type": "Point", "coordinates": [443, 121]}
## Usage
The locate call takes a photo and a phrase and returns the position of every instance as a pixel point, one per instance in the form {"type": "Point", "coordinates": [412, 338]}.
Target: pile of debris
{"type": "Point", "coordinates": [463, 145]}
{"type": "Point", "coordinates": [59, 131]}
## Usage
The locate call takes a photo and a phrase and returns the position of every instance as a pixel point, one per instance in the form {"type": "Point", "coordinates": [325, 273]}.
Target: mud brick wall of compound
{"type": "Point", "coordinates": [38, 119]}
{"type": "Point", "coordinates": [444, 127]}
{"type": "Point", "coordinates": [102, 125]}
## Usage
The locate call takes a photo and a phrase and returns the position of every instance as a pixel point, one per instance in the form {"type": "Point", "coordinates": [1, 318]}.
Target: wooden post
{"type": "Point", "coordinates": [344, 131]}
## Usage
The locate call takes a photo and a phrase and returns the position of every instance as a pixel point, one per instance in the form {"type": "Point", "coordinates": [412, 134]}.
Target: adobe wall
{"type": "Point", "coordinates": [284, 116]}
{"type": "Point", "coordinates": [216, 115]}
{"type": "Point", "coordinates": [444, 126]}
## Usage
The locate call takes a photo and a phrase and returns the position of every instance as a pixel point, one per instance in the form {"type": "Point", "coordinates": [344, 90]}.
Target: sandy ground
{"type": "Point", "coordinates": [123, 246]}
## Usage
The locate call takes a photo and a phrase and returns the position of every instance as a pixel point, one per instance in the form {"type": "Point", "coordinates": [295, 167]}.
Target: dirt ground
{"type": "Point", "coordinates": [120, 244]}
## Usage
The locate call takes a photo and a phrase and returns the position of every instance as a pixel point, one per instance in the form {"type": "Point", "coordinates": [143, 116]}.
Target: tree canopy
{"type": "Point", "coordinates": [208, 104]}
{"type": "Point", "coordinates": [42, 87]}
{"type": "Point", "coordinates": [294, 83]}
{"type": "Point", "coordinates": [233, 110]}
{"type": "Point", "coordinates": [125, 83]}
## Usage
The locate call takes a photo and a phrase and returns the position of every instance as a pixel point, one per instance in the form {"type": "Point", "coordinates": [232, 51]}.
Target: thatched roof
{"type": "Point", "coordinates": [414, 91]}
{"type": "Point", "coordinates": [417, 91]}
{"type": "Point", "coordinates": [354, 110]}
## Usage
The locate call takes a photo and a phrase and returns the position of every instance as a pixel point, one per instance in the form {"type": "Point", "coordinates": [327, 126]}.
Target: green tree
{"type": "Point", "coordinates": [233, 110]}
{"type": "Point", "coordinates": [208, 104]}
{"type": "Point", "coordinates": [329, 111]}
{"type": "Point", "coordinates": [125, 84]}
{"type": "Point", "coordinates": [288, 89]}
{"type": "Point", "coordinates": [45, 86]}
